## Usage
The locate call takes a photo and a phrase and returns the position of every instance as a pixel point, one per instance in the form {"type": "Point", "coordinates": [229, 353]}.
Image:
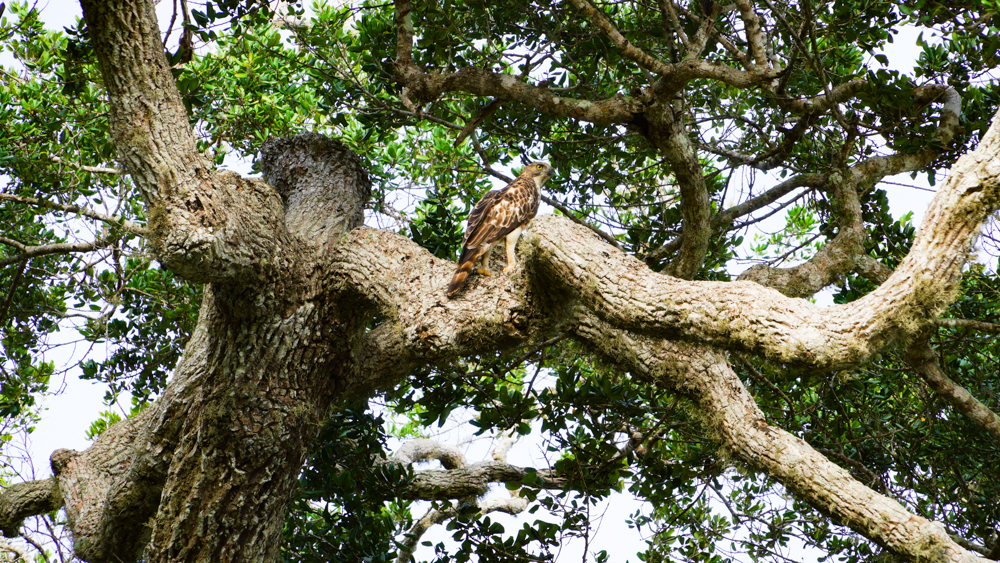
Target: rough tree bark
{"type": "Point", "coordinates": [293, 279]}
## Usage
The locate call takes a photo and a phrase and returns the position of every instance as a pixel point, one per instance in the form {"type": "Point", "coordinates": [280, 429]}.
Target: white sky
{"type": "Point", "coordinates": [67, 415]}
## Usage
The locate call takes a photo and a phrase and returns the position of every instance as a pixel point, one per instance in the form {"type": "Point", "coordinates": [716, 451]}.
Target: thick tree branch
{"type": "Point", "coordinates": [203, 225]}
{"type": "Point", "coordinates": [732, 415]}
{"type": "Point", "coordinates": [754, 34]}
{"type": "Point", "coordinates": [421, 88]}
{"type": "Point", "coordinates": [921, 357]}
{"type": "Point", "coordinates": [578, 272]}
{"type": "Point", "coordinates": [474, 480]}
{"type": "Point", "coordinates": [416, 451]}
{"type": "Point", "coordinates": [670, 136]}
{"type": "Point", "coordinates": [823, 102]}
{"type": "Point", "coordinates": [21, 500]}
{"type": "Point", "coordinates": [632, 52]}
{"type": "Point", "coordinates": [845, 252]}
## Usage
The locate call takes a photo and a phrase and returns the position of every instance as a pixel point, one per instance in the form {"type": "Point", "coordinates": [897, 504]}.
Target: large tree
{"type": "Point", "coordinates": [652, 368]}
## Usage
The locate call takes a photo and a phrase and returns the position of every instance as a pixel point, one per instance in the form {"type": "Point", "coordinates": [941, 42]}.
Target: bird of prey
{"type": "Point", "coordinates": [501, 214]}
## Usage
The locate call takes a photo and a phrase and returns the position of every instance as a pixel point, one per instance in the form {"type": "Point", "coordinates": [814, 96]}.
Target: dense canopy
{"type": "Point", "coordinates": [290, 353]}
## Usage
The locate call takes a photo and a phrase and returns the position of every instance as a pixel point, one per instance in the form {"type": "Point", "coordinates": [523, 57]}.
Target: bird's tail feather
{"type": "Point", "coordinates": [466, 264]}
{"type": "Point", "coordinates": [458, 280]}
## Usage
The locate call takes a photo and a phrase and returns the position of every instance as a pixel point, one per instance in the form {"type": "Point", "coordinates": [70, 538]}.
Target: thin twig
{"type": "Point", "coordinates": [129, 226]}
{"type": "Point", "coordinates": [94, 169]}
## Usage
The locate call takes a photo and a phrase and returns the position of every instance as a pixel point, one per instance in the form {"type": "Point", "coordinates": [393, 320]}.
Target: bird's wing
{"type": "Point", "coordinates": [507, 210]}
{"type": "Point", "coordinates": [479, 213]}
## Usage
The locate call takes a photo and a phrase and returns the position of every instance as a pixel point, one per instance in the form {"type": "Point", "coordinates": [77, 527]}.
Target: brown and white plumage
{"type": "Point", "coordinates": [501, 214]}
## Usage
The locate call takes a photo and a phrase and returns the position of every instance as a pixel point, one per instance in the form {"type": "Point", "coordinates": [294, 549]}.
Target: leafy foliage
{"type": "Point", "coordinates": [340, 512]}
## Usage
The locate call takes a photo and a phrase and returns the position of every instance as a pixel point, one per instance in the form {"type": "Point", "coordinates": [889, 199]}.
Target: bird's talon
{"type": "Point", "coordinates": [484, 272]}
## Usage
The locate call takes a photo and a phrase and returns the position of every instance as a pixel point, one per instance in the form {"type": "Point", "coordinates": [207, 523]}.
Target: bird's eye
{"type": "Point", "coordinates": [538, 166]}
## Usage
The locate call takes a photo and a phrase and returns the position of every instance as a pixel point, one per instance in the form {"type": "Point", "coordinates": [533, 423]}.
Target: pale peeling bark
{"type": "Point", "coordinates": [471, 504]}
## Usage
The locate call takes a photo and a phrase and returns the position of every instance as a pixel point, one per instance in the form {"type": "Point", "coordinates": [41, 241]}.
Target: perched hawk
{"type": "Point", "coordinates": [500, 214]}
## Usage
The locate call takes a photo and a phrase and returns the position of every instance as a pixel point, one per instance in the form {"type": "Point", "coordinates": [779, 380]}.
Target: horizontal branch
{"type": "Point", "coordinates": [22, 500]}
{"type": "Point", "coordinates": [823, 102]}
{"type": "Point", "coordinates": [416, 451]}
{"type": "Point", "coordinates": [475, 479]}
{"type": "Point", "coordinates": [129, 226]}
{"type": "Point", "coordinates": [971, 324]}
{"type": "Point", "coordinates": [422, 87]}
{"type": "Point", "coordinates": [566, 270]}
{"type": "Point", "coordinates": [92, 169]}
{"type": "Point", "coordinates": [29, 252]}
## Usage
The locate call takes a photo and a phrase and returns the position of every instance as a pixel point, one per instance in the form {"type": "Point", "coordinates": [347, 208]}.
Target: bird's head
{"type": "Point", "coordinates": [538, 171]}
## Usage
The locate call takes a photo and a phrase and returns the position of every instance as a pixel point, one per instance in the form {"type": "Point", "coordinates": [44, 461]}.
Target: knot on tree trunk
{"type": "Point", "coordinates": [323, 183]}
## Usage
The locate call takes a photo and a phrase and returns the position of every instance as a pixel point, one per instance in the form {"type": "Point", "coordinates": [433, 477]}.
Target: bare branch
{"type": "Point", "coordinates": [115, 220]}
{"type": "Point", "coordinates": [755, 37]}
{"type": "Point", "coordinates": [991, 328]}
{"type": "Point", "coordinates": [93, 169]}
{"type": "Point", "coordinates": [921, 357]}
{"type": "Point", "coordinates": [670, 136]}
{"type": "Point", "coordinates": [29, 252]}
{"type": "Point", "coordinates": [416, 451]}
{"type": "Point", "coordinates": [630, 51]}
